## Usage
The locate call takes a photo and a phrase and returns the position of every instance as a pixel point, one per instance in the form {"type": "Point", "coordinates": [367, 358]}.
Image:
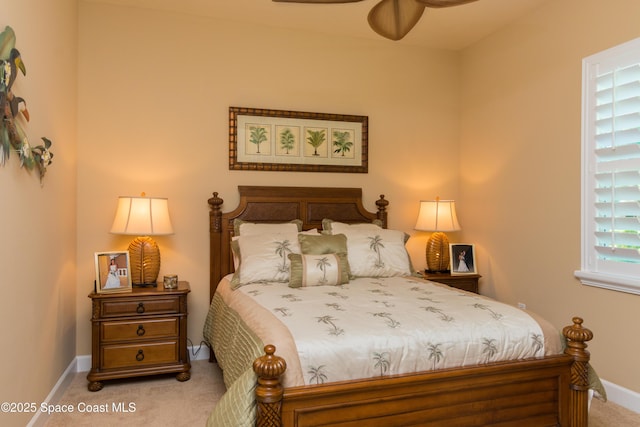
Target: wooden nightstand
{"type": "Point", "coordinates": [143, 332]}
{"type": "Point", "coordinates": [466, 282]}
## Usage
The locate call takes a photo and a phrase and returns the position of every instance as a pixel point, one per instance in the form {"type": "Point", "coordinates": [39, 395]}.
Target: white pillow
{"type": "Point", "coordinates": [250, 228]}
{"type": "Point", "coordinates": [377, 253]}
{"type": "Point", "coordinates": [264, 257]}
{"type": "Point", "coordinates": [334, 227]}
{"type": "Point", "coordinates": [234, 244]}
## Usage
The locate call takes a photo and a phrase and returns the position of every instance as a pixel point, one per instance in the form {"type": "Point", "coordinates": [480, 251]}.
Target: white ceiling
{"type": "Point", "coordinates": [448, 28]}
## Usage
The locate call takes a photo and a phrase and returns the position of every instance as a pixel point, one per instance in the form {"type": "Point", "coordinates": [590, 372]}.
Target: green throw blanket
{"type": "Point", "coordinates": [236, 348]}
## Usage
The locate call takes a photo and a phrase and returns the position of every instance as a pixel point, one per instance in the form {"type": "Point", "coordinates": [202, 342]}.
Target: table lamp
{"type": "Point", "coordinates": [143, 217]}
{"type": "Point", "coordinates": [437, 216]}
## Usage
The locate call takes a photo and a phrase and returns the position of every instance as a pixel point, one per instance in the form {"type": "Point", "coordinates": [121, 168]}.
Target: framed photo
{"type": "Point", "coordinates": [463, 258]}
{"type": "Point", "coordinates": [296, 141]}
{"type": "Point", "coordinates": [113, 272]}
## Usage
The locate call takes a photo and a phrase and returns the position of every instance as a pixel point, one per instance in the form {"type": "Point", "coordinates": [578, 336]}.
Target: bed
{"type": "Point", "coordinates": [544, 389]}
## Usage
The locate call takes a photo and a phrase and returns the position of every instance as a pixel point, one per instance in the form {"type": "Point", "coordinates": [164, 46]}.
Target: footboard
{"type": "Point", "coordinates": [538, 392]}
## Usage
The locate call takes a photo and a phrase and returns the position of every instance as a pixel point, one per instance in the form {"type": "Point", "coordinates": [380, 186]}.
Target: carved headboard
{"type": "Point", "coordinates": [281, 204]}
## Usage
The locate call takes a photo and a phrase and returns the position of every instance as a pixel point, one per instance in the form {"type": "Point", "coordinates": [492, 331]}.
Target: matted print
{"type": "Point", "coordinates": [281, 140]}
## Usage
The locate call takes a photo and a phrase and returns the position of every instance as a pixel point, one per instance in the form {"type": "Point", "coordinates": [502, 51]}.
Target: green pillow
{"type": "Point", "coordinates": [318, 270]}
{"type": "Point", "coordinates": [319, 244]}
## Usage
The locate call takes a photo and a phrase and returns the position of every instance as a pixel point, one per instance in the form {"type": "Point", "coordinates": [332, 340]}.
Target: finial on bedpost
{"type": "Point", "coordinates": [577, 336]}
{"type": "Point", "coordinates": [215, 204]}
{"type": "Point", "coordinates": [382, 204]}
{"type": "Point", "coordinates": [269, 391]}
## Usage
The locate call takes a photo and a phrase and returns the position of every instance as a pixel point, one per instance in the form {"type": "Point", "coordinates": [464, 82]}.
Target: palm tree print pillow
{"type": "Point", "coordinates": [264, 258]}
{"type": "Point", "coordinates": [318, 270]}
{"type": "Point", "coordinates": [377, 253]}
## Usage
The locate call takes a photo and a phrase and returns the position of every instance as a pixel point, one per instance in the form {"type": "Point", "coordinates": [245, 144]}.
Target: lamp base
{"type": "Point", "coordinates": [144, 285]}
{"type": "Point", "coordinates": [437, 253]}
{"type": "Point", "coordinates": [144, 255]}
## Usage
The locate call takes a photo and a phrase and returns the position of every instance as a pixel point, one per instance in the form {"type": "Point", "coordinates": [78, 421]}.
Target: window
{"type": "Point", "coordinates": [611, 169]}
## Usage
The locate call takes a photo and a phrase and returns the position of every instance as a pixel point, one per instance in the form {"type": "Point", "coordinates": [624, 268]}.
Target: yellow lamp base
{"type": "Point", "coordinates": [438, 252]}
{"type": "Point", "coordinates": [144, 255]}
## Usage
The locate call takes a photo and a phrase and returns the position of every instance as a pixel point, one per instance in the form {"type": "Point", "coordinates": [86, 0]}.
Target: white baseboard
{"type": "Point", "coordinates": [622, 396]}
{"type": "Point", "coordinates": [39, 419]}
{"type": "Point", "coordinates": [83, 364]}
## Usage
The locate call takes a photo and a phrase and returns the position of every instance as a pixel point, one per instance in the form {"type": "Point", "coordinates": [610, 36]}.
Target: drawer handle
{"type": "Point", "coordinates": [140, 308]}
{"type": "Point", "coordinates": [140, 356]}
{"type": "Point", "coordinates": [140, 330]}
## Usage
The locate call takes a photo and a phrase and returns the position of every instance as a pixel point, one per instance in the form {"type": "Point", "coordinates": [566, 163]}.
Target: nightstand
{"type": "Point", "coordinates": [142, 332]}
{"type": "Point", "coordinates": [466, 282]}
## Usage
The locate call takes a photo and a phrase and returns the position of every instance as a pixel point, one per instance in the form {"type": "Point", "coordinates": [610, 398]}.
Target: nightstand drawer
{"type": "Point", "coordinates": [129, 356]}
{"type": "Point", "coordinates": [138, 307]}
{"type": "Point", "coordinates": [465, 285]}
{"type": "Point", "coordinates": [156, 328]}
{"type": "Point", "coordinates": [465, 282]}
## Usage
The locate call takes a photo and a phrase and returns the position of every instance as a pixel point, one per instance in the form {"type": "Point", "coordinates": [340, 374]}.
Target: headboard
{"type": "Point", "coordinates": [281, 204]}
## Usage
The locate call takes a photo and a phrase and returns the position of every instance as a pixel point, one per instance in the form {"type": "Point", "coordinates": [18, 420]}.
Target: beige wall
{"type": "Point", "coordinates": [520, 170]}
{"type": "Point", "coordinates": [154, 93]}
{"type": "Point", "coordinates": [38, 231]}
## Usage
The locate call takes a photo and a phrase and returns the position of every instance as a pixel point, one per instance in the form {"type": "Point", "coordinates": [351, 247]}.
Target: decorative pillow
{"type": "Point", "coordinates": [318, 270]}
{"type": "Point", "coordinates": [235, 250]}
{"type": "Point", "coordinates": [322, 243]}
{"type": "Point", "coordinates": [330, 226]}
{"type": "Point", "coordinates": [377, 253]}
{"type": "Point", "coordinates": [263, 257]}
{"type": "Point", "coordinates": [326, 244]}
{"type": "Point", "coordinates": [312, 232]}
{"type": "Point", "coordinates": [244, 228]}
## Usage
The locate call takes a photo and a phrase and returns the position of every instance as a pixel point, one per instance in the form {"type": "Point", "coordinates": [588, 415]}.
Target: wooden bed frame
{"type": "Point", "coordinates": [549, 391]}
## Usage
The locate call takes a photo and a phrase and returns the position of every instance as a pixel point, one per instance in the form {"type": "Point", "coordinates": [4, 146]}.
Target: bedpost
{"type": "Point", "coordinates": [215, 241]}
{"type": "Point", "coordinates": [382, 203]}
{"type": "Point", "coordinates": [269, 391]}
{"type": "Point", "coordinates": [577, 336]}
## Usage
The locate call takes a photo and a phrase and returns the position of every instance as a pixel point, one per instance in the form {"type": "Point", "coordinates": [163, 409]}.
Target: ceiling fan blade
{"type": "Point", "coordinates": [393, 19]}
{"type": "Point", "coordinates": [444, 3]}
{"type": "Point", "coordinates": [316, 1]}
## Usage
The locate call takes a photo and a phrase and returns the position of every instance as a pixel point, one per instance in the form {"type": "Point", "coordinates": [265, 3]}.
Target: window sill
{"type": "Point", "coordinates": [609, 281]}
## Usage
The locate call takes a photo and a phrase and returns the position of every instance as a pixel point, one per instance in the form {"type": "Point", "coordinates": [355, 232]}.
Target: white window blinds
{"type": "Point", "coordinates": [611, 169]}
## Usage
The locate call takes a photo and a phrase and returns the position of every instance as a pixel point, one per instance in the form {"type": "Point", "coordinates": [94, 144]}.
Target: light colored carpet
{"type": "Point", "coordinates": [608, 414]}
{"type": "Point", "coordinates": [159, 400]}
{"type": "Point", "coordinates": [163, 401]}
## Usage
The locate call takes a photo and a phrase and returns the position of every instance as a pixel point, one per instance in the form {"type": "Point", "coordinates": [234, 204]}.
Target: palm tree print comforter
{"type": "Point", "coordinates": [385, 326]}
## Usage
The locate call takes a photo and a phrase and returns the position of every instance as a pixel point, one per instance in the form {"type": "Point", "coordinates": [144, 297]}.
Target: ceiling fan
{"type": "Point", "coordinates": [393, 19]}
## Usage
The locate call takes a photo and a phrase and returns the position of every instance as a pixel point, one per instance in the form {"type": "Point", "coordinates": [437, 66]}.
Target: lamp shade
{"type": "Point", "coordinates": [437, 215]}
{"type": "Point", "coordinates": [142, 216]}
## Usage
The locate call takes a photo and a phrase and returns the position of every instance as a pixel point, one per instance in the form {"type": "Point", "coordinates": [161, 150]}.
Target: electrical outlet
{"type": "Point", "coordinates": [522, 305]}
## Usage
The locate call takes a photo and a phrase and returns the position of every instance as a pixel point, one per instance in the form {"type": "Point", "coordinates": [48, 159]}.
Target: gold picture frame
{"type": "Point", "coordinates": [296, 141]}
{"type": "Point", "coordinates": [113, 272]}
{"type": "Point", "coordinates": [463, 259]}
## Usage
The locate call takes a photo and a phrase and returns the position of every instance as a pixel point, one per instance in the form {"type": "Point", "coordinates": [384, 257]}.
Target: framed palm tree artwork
{"type": "Point", "coordinates": [279, 140]}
